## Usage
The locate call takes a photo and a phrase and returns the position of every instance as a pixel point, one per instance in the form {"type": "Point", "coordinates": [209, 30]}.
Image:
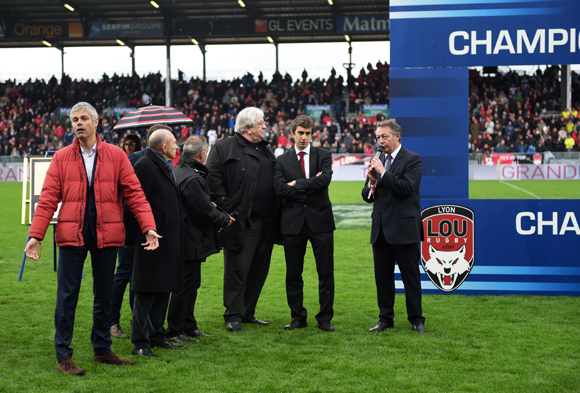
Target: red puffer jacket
{"type": "Point", "coordinates": [66, 181]}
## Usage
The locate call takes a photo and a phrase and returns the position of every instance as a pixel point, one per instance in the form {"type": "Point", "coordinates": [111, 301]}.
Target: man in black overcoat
{"type": "Point", "coordinates": [302, 177]}
{"type": "Point", "coordinates": [240, 179]}
{"type": "Point", "coordinates": [201, 221]}
{"type": "Point", "coordinates": [157, 274]}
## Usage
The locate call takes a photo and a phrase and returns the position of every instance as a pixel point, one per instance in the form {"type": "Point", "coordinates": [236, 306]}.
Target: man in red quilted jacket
{"type": "Point", "coordinates": [89, 178]}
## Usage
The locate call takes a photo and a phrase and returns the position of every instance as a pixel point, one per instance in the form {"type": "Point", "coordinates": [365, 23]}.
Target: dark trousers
{"type": "Point", "coordinates": [70, 269]}
{"type": "Point", "coordinates": [323, 249]}
{"type": "Point", "coordinates": [245, 271]}
{"type": "Point", "coordinates": [180, 317]}
{"type": "Point", "coordinates": [407, 257]}
{"type": "Point", "coordinates": [149, 312]}
{"type": "Point", "coordinates": [123, 277]}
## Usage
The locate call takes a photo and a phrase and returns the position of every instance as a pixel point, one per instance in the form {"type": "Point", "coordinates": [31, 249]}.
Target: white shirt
{"type": "Point", "coordinates": [89, 159]}
{"type": "Point", "coordinates": [393, 155]}
{"type": "Point", "coordinates": [306, 159]}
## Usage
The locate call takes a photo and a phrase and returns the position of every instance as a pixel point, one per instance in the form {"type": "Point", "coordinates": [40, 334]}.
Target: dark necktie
{"type": "Point", "coordinates": [301, 160]}
{"type": "Point", "coordinates": [389, 162]}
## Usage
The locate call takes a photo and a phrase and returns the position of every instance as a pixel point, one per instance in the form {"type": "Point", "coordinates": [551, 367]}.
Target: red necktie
{"type": "Point", "coordinates": [301, 160]}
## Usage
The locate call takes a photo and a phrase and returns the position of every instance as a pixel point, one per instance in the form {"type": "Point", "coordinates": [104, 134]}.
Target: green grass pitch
{"type": "Point", "coordinates": [473, 343]}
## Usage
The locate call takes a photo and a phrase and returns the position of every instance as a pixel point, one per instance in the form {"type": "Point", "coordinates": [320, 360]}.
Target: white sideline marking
{"type": "Point", "coordinates": [521, 189]}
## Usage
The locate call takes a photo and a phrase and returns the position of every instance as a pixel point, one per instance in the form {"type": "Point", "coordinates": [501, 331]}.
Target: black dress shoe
{"type": "Point", "coordinates": [256, 321]}
{"type": "Point", "coordinates": [295, 325]}
{"type": "Point", "coordinates": [182, 338]}
{"type": "Point", "coordinates": [419, 328]}
{"type": "Point", "coordinates": [235, 327]}
{"type": "Point", "coordinates": [146, 352]}
{"type": "Point", "coordinates": [326, 326]}
{"type": "Point", "coordinates": [167, 345]}
{"type": "Point", "coordinates": [197, 333]}
{"type": "Point", "coordinates": [380, 327]}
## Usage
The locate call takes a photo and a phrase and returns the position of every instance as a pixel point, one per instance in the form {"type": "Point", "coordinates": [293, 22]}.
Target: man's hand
{"type": "Point", "coordinates": [319, 173]}
{"type": "Point", "coordinates": [292, 183]}
{"type": "Point", "coordinates": [31, 249]}
{"type": "Point", "coordinates": [229, 223]}
{"type": "Point", "coordinates": [377, 166]}
{"type": "Point", "coordinates": [152, 243]}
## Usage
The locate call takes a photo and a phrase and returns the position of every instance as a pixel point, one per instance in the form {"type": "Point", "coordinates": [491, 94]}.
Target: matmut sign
{"type": "Point", "coordinates": [497, 32]}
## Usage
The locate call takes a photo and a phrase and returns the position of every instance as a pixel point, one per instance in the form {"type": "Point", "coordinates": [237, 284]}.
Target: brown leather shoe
{"type": "Point", "coordinates": [69, 367]}
{"type": "Point", "coordinates": [110, 358]}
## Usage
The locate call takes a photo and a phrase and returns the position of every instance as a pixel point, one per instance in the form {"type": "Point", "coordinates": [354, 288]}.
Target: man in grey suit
{"type": "Point", "coordinates": [393, 185]}
{"type": "Point", "coordinates": [301, 179]}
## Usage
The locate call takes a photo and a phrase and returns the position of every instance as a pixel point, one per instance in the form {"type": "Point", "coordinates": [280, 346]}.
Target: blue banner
{"type": "Point", "coordinates": [443, 33]}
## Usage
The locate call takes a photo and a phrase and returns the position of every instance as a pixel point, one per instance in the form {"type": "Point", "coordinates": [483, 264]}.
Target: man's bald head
{"type": "Point", "coordinates": [156, 127]}
{"type": "Point", "coordinates": [159, 138]}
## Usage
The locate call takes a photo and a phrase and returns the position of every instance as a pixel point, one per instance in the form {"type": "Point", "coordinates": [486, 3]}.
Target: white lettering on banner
{"type": "Point", "coordinates": [365, 25]}
{"type": "Point", "coordinates": [132, 26]}
{"type": "Point", "coordinates": [460, 42]}
{"type": "Point", "coordinates": [540, 37]}
{"type": "Point", "coordinates": [13, 173]}
{"type": "Point", "coordinates": [346, 160]}
{"type": "Point", "coordinates": [452, 48]}
{"type": "Point", "coordinates": [486, 42]}
{"type": "Point", "coordinates": [540, 172]}
{"type": "Point", "coordinates": [569, 224]}
{"type": "Point", "coordinates": [300, 25]}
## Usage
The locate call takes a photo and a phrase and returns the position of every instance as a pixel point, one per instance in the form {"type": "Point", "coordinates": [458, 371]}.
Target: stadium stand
{"type": "Point", "coordinates": [507, 112]}
{"type": "Point", "coordinates": [521, 113]}
{"type": "Point", "coordinates": [30, 124]}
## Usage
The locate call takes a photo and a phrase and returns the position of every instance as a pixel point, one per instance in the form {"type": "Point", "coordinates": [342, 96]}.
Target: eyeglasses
{"type": "Point", "coordinates": [260, 124]}
{"type": "Point", "coordinates": [130, 144]}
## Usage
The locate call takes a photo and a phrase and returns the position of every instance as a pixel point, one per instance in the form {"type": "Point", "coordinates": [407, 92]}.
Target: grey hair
{"type": "Point", "coordinates": [247, 117]}
{"type": "Point", "coordinates": [86, 106]}
{"type": "Point", "coordinates": [392, 124]}
{"type": "Point", "coordinates": [194, 145]}
{"type": "Point", "coordinates": [159, 138]}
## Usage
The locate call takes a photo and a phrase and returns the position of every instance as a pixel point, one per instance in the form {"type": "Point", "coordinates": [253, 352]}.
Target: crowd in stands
{"type": "Point", "coordinates": [30, 125]}
{"type": "Point", "coordinates": [515, 113]}
{"type": "Point", "coordinates": [508, 113]}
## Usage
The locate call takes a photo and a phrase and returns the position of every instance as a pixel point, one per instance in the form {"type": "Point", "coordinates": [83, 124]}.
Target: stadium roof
{"type": "Point", "coordinates": [26, 23]}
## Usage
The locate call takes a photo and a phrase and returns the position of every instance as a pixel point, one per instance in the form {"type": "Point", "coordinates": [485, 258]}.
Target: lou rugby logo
{"type": "Point", "coordinates": [447, 251]}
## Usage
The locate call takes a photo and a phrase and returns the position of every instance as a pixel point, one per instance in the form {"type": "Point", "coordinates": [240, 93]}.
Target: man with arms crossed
{"type": "Point", "coordinates": [90, 177]}
{"type": "Point", "coordinates": [393, 185]}
{"type": "Point", "coordinates": [302, 177]}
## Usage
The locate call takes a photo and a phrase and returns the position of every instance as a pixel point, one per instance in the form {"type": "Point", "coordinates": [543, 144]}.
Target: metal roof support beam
{"type": "Point", "coordinates": [132, 47]}
{"type": "Point", "coordinates": [168, 51]}
{"type": "Point", "coordinates": [276, 45]}
{"type": "Point", "coordinates": [203, 51]}
{"type": "Point", "coordinates": [61, 49]}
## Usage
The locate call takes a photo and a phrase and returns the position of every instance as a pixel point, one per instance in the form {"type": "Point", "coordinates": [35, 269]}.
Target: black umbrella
{"type": "Point", "coordinates": [149, 115]}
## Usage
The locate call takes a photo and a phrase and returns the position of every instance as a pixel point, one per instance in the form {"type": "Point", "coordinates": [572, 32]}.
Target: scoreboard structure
{"type": "Point", "coordinates": [518, 246]}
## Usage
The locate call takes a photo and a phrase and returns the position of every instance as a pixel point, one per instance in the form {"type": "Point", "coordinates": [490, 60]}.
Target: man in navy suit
{"type": "Point", "coordinates": [393, 184]}
{"type": "Point", "coordinates": [301, 179]}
